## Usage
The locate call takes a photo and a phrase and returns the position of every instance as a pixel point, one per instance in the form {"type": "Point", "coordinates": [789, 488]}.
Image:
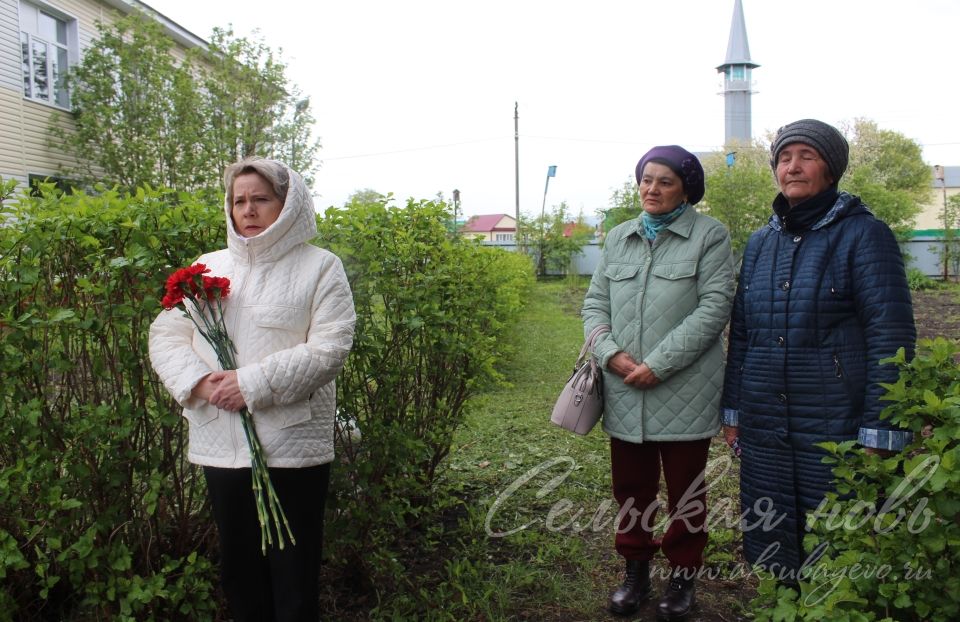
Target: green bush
{"type": "Point", "coordinates": [918, 281]}
{"type": "Point", "coordinates": [100, 515]}
{"type": "Point", "coordinates": [430, 307]}
{"type": "Point", "coordinates": [890, 535]}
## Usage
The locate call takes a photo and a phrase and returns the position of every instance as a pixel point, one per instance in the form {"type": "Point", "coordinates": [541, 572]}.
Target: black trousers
{"type": "Point", "coordinates": [283, 585]}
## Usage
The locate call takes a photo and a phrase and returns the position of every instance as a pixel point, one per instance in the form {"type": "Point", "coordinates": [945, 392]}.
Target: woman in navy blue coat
{"type": "Point", "coordinates": [822, 298]}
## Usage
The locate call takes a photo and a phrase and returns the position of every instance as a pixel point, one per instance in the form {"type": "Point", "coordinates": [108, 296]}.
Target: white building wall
{"type": "Point", "coordinates": [24, 123]}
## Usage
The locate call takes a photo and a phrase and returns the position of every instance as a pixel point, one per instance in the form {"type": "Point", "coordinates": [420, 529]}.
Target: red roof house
{"type": "Point", "coordinates": [491, 228]}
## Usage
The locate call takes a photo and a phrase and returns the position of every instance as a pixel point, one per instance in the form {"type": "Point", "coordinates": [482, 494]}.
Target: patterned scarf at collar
{"type": "Point", "coordinates": [803, 216]}
{"type": "Point", "coordinates": [653, 223]}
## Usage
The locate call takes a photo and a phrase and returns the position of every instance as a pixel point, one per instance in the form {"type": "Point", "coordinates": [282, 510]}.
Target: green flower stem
{"type": "Point", "coordinates": [269, 511]}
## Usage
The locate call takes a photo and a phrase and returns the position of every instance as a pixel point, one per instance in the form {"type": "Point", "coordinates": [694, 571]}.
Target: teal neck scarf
{"type": "Point", "coordinates": [653, 223]}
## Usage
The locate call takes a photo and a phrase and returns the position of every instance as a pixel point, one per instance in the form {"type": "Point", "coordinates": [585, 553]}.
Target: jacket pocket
{"type": "Point", "coordinates": [201, 416]}
{"type": "Point", "coordinates": [675, 271]}
{"type": "Point", "coordinates": [286, 416]}
{"type": "Point", "coordinates": [621, 271]}
{"type": "Point", "coordinates": [851, 375]}
{"type": "Point", "coordinates": [296, 414]}
{"type": "Point", "coordinates": [292, 319]}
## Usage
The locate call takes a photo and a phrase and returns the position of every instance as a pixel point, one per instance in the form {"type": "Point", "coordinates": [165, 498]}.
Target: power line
{"type": "Point", "coordinates": [585, 140]}
{"type": "Point", "coordinates": [410, 149]}
{"type": "Point", "coordinates": [535, 137]}
{"type": "Point", "coordinates": [482, 140]}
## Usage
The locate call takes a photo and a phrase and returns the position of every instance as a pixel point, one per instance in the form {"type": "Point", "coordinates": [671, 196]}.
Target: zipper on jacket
{"type": "Point", "coordinates": [851, 391]}
{"type": "Point", "coordinates": [236, 430]}
{"type": "Point", "coordinates": [243, 286]}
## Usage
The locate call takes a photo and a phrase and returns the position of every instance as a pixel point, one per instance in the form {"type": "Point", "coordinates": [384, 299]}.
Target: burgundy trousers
{"type": "Point", "coordinates": [636, 481]}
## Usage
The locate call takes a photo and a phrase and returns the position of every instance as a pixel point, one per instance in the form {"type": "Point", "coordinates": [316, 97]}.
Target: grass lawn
{"type": "Point", "coordinates": [533, 538]}
{"type": "Point", "coordinates": [527, 533]}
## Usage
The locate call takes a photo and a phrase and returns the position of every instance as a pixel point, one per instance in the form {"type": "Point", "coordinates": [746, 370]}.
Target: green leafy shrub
{"type": "Point", "coordinates": [890, 535]}
{"type": "Point", "coordinates": [100, 515]}
{"type": "Point", "coordinates": [918, 281]}
{"type": "Point", "coordinates": [430, 307]}
{"type": "Point", "coordinates": [553, 251]}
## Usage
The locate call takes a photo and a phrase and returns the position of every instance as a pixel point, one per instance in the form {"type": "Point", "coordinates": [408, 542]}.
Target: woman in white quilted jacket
{"type": "Point", "coordinates": [290, 314]}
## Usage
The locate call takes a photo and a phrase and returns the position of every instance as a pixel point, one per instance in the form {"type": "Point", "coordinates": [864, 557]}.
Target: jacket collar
{"type": "Point", "coordinates": [682, 226]}
{"type": "Point", "coordinates": [846, 205]}
{"type": "Point", "coordinates": [296, 225]}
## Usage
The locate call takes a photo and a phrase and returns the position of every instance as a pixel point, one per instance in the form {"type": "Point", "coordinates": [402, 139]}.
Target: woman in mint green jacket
{"type": "Point", "coordinates": [665, 286]}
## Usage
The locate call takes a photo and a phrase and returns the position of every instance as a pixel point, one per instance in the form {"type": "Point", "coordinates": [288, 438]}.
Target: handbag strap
{"type": "Point", "coordinates": [591, 338]}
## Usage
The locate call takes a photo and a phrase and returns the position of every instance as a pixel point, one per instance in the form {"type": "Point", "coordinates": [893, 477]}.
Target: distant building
{"type": "Point", "coordinates": [572, 228]}
{"type": "Point", "coordinates": [924, 247]}
{"type": "Point", "coordinates": [39, 41]}
{"type": "Point", "coordinates": [930, 220]}
{"type": "Point", "coordinates": [491, 228]}
{"type": "Point", "coordinates": [737, 82]}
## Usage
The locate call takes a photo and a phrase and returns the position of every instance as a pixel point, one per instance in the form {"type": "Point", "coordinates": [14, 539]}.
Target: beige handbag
{"type": "Point", "coordinates": [581, 402]}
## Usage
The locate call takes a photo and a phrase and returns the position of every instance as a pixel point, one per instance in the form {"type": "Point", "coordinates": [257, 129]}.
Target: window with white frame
{"type": "Point", "coordinates": [46, 40]}
{"type": "Point", "coordinates": [504, 237]}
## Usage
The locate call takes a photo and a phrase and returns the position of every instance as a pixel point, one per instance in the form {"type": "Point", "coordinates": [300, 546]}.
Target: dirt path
{"type": "Point", "coordinates": [937, 313]}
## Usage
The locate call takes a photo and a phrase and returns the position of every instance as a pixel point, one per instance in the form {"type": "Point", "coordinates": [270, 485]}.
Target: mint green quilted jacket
{"type": "Point", "coordinates": [667, 306]}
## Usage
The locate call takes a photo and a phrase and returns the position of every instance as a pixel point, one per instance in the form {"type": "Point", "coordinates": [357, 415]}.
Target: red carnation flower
{"type": "Point", "coordinates": [215, 287]}
{"type": "Point", "coordinates": [171, 299]}
{"type": "Point", "coordinates": [187, 280]}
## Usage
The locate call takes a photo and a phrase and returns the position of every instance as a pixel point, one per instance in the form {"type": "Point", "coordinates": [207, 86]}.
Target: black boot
{"type": "Point", "coordinates": [635, 588]}
{"type": "Point", "coordinates": [678, 600]}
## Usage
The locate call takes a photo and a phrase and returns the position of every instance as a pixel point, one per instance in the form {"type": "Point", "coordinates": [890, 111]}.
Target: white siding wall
{"type": "Point", "coordinates": [932, 215]}
{"type": "Point", "coordinates": [24, 124]}
{"type": "Point", "coordinates": [11, 135]}
{"type": "Point", "coordinates": [10, 76]}
{"type": "Point", "coordinates": [24, 133]}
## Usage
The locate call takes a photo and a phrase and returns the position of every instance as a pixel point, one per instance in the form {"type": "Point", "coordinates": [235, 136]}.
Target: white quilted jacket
{"type": "Point", "coordinates": [290, 315]}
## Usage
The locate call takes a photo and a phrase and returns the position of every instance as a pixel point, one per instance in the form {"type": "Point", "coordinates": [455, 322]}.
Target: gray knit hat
{"type": "Point", "coordinates": [826, 139]}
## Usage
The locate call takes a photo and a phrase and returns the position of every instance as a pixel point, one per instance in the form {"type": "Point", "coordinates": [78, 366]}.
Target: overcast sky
{"type": "Point", "coordinates": [416, 97]}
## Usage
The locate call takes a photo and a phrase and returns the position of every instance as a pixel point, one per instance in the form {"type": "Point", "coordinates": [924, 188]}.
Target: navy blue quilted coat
{"type": "Point", "coordinates": [814, 313]}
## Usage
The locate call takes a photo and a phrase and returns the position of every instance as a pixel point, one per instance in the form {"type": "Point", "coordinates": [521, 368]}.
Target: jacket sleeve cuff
{"type": "Point", "coordinates": [185, 396]}
{"type": "Point", "coordinates": [893, 440]}
{"type": "Point", "coordinates": [660, 365]}
{"type": "Point", "coordinates": [604, 350]}
{"type": "Point", "coordinates": [730, 417]}
{"type": "Point", "coordinates": [254, 387]}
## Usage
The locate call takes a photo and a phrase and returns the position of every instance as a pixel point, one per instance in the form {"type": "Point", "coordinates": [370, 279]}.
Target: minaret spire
{"type": "Point", "coordinates": [737, 82]}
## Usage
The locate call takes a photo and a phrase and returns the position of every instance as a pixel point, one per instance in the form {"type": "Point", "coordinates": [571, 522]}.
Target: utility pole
{"type": "Point", "coordinates": [456, 208]}
{"type": "Point", "coordinates": [516, 166]}
{"type": "Point", "coordinates": [940, 175]}
{"type": "Point", "coordinates": [551, 172]}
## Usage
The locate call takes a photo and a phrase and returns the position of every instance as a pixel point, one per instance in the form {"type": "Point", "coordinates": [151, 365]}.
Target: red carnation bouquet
{"type": "Point", "coordinates": [205, 295]}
